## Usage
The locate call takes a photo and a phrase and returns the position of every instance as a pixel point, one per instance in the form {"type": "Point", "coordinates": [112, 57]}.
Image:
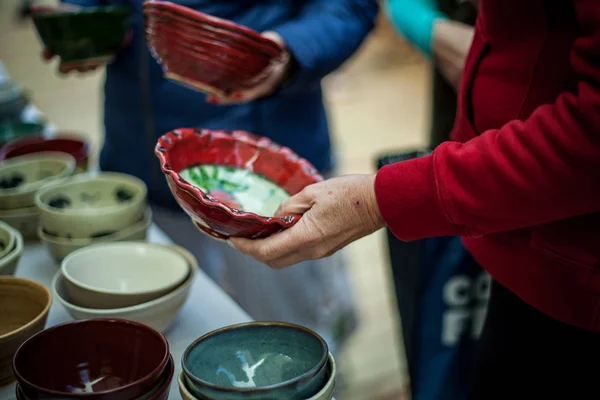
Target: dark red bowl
{"type": "Point", "coordinates": [99, 359]}
{"type": "Point", "coordinates": [187, 147]}
{"type": "Point", "coordinates": [63, 142]}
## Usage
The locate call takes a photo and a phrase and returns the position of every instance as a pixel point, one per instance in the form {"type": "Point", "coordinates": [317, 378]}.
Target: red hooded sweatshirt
{"type": "Point", "coordinates": [521, 179]}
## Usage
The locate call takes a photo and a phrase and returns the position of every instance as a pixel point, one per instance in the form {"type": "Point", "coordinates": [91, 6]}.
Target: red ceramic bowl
{"type": "Point", "coordinates": [187, 147]}
{"type": "Point", "coordinates": [63, 142]}
{"type": "Point", "coordinates": [95, 359]}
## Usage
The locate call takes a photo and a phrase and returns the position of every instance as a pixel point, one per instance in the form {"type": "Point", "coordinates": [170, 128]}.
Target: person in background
{"type": "Point", "coordinates": [141, 105]}
{"type": "Point", "coordinates": [519, 182]}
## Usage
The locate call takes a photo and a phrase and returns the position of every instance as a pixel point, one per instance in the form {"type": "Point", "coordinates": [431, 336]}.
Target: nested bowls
{"type": "Point", "coordinates": [22, 176]}
{"type": "Point", "coordinates": [93, 359]}
{"type": "Point", "coordinates": [116, 275]}
{"type": "Point", "coordinates": [212, 212]}
{"type": "Point", "coordinates": [256, 360]}
{"type": "Point", "coordinates": [12, 241]}
{"type": "Point", "coordinates": [91, 205]}
{"type": "Point", "coordinates": [205, 52]}
{"type": "Point", "coordinates": [159, 313]}
{"type": "Point", "coordinates": [24, 307]}
{"type": "Point", "coordinates": [81, 35]}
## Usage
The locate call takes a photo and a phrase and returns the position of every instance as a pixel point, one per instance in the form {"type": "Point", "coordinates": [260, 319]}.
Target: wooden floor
{"type": "Point", "coordinates": [378, 102]}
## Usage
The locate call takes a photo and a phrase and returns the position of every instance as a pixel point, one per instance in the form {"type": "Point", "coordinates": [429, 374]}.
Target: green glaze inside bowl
{"type": "Point", "coordinates": [11, 130]}
{"type": "Point", "coordinates": [81, 35]}
{"type": "Point", "coordinates": [255, 356]}
{"type": "Point", "coordinates": [238, 188]}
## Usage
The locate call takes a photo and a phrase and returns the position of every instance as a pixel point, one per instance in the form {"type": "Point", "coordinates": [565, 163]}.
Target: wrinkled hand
{"type": "Point", "coordinates": [336, 212]}
{"type": "Point", "coordinates": [276, 73]}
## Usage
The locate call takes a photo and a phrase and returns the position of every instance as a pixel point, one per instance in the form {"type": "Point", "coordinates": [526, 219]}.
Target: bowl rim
{"type": "Point", "coordinates": [20, 212]}
{"type": "Point", "coordinates": [165, 384]}
{"type": "Point", "coordinates": [111, 320]}
{"type": "Point", "coordinates": [65, 264]}
{"type": "Point", "coordinates": [143, 223]}
{"type": "Point", "coordinates": [67, 160]}
{"type": "Point", "coordinates": [314, 370]}
{"type": "Point", "coordinates": [12, 240]}
{"type": "Point", "coordinates": [28, 140]}
{"type": "Point", "coordinates": [169, 139]}
{"type": "Point", "coordinates": [38, 317]}
{"type": "Point", "coordinates": [89, 177]}
{"type": "Point", "coordinates": [16, 251]}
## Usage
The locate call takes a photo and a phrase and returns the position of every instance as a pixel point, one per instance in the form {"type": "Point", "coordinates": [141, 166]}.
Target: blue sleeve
{"type": "Point", "coordinates": [415, 19]}
{"type": "Point", "coordinates": [325, 35]}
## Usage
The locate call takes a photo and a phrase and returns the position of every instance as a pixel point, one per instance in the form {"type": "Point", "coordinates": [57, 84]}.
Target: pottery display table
{"type": "Point", "coordinates": [207, 308]}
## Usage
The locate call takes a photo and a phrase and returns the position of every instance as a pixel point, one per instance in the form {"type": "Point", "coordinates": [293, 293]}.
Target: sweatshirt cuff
{"type": "Point", "coordinates": [407, 196]}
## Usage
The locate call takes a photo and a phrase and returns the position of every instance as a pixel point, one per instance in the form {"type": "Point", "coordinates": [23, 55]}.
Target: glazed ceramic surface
{"type": "Point", "coordinates": [63, 143]}
{"type": "Point", "coordinates": [86, 34]}
{"type": "Point", "coordinates": [116, 275]}
{"type": "Point", "coordinates": [8, 237]}
{"type": "Point", "coordinates": [24, 306]}
{"type": "Point", "coordinates": [91, 205]}
{"type": "Point", "coordinates": [13, 129]}
{"type": "Point", "coordinates": [159, 314]}
{"type": "Point", "coordinates": [257, 361]}
{"type": "Point", "coordinates": [25, 220]}
{"type": "Point", "coordinates": [185, 148]}
{"type": "Point", "coordinates": [20, 177]}
{"type": "Point", "coordinates": [106, 359]}
{"type": "Point", "coordinates": [8, 263]}
{"type": "Point", "coordinates": [238, 188]}
{"type": "Point", "coordinates": [60, 247]}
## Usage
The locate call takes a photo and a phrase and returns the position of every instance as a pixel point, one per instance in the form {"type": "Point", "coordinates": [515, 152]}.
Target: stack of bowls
{"type": "Point", "coordinates": [258, 360]}
{"type": "Point", "coordinates": [143, 282]}
{"type": "Point", "coordinates": [108, 359]}
{"type": "Point", "coordinates": [63, 142]}
{"type": "Point", "coordinates": [11, 248]}
{"type": "Point", "coordinates": [92, 208]}
{"type": "Point", "coordinates": [20, 178]}
{"type": "Point", "coordinates": [207, 53]}
{"type": "Point", "coordinates": [24, 305]}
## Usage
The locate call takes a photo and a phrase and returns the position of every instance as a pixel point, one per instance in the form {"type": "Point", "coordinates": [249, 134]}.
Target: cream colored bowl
{"type": "Point", "coordinates": [90, 205]}
{"type": "Point", "coordinates": [25, 220]}
{"type": "Point", "coordinates": [20, 177]}
{"type": "Point", "coordinates": [7, 239]}
{"type": "Point", "coordinates": [8, 263]}
{"type": "Point", "coordinates": [158, 314]}
{"type": "Point", "coordinates": [123, 274]}
{"type": "Point", "coordinates": [59, 247]}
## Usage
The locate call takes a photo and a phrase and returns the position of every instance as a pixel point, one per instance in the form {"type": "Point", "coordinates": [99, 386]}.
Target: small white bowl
{"type": "Point", "coordinates": [21, 176]}
{"type": "Point", "coordinates": [8, 263]}
{"type": "Point", "coordinates": [25, 220]}
{"type": "Point", "coordinates": [59, 247]}
{"type": "Point", "coordinates": [7, 239]}
{"type": "Point", "coordinates": [158, 314]}
{"type": "Point", "coordinates": [114, 275]}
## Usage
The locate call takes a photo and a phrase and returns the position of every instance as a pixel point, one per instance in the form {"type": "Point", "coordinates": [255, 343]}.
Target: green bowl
{"type": "Point", "coordinates": [82, 35]}
{"type": "Point", "coordinates": [13, 129]}
{"type": "Point", "coordinates": [258, 360]}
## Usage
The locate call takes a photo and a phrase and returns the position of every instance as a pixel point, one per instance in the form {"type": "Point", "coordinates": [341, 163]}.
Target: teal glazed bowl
{"type": "Point", "coordinates": [90, 34]}
{"type": "Point", "coordinates": [257, 360]}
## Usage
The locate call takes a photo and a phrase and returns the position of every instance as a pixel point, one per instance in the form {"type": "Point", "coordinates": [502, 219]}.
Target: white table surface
{"type": "Point", "coordinates": [207, 307]}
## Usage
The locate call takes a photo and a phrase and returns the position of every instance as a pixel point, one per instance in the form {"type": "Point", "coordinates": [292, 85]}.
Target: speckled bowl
{"type": "Point", "coordinates": [8, 237]}
{"type": "Point", "coordinates": [257, 360]}
{"type": "Point", "coordinates": [8, 263]}
{"type": "Point", "coordinates": [21, 177]}
{"type": "Point", "coordinates": [91, 205]}
{"type": "Point", "coordinates": [183, 148]}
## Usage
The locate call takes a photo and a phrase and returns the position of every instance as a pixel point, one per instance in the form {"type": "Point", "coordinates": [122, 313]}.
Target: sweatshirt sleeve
{"type": "Point", "coordinates": [324, 35]}
{"type": "Point", "coordinates": [527, 173]}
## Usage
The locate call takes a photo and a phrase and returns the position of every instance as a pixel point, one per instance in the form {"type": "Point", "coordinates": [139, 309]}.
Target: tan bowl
{"type": "Point", "coordinates": [158, 314]}
{"type": "Point", "coordinates": [33, 171]}
{"type": "Point", "coordinates": [59, 247]}
{"type": "Point", "coordinates": [8, 264]}
{"type": "Point", "coordinates": [24, 304]}
{"type": "Point", "coordinates": [25, 220]}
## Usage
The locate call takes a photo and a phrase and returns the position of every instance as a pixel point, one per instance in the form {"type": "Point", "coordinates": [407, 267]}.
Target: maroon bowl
{"type": "Point", "coordinates": [187, 147]}
{"type": "Point", "coordinates": [63, 142]}
{"type": "Point", "coordinates": [95, 359]}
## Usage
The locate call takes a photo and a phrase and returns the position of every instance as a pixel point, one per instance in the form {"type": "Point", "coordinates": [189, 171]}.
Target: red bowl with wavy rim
{"type": "Point", "coordinates": [95, 359]}
{"type": "Point", "coordinates": [188, 147]}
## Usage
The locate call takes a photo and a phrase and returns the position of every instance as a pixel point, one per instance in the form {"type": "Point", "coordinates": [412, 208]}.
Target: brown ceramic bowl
{"type": "Point", "coordinates": [24, 306]}
{"type": "Point", "coordinates": [95, 359]}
